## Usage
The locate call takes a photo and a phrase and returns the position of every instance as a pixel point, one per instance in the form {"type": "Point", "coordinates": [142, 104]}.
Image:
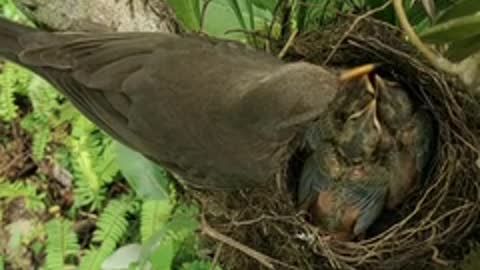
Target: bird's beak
{"type": "Point", "coordinates": [380, 84]}
{"type": "Point", "coordinates": [357, 72]}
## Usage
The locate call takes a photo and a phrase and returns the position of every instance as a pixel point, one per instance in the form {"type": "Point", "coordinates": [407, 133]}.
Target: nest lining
{"type": "Point", "coordinates": [425, 230]}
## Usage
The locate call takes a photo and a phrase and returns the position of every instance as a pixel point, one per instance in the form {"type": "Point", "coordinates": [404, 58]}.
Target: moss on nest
{"type": "Point", "coordinates": [425, 230]}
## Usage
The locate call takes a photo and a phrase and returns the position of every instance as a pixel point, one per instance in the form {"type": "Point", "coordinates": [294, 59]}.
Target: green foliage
{"type": "Point", "coordinates": [43, 119]}
{"type": "Point", "coordinates": [8, 9]}
{"type": "Point", "coordinates": [93, 162]}
{"type": "Point", "coordinates": [161, 249]}
{"type": "Point", "coordinates": [14, 80]}
{"type": "Point", "coordinates": [458, 27]}
{"type": "Point", "coordinates": [62, 245]}
{"type": "Point", "coordinates": [111, 229]}
{"type": "Point", "coordinates": [11, 191]}
{"type": "Point", "coordinates": [147, 178]}
{"type": "Point", "coordinates": [461, 9]}
{"type": "Point", "coordinates": [453, 30]}
{"type": "Point", "coordinates": [154, 215]}
{"type": "Point", "coordinates": [199, 265]}
{"type": "Point", "coordinates": [188, 12]}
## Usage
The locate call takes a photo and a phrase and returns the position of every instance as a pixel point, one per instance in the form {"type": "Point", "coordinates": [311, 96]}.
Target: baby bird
{"type": "Point", "coordinates": [362, 130]}
{"type": "Point", "coordinates": [347, 206]}
{"type": "Point", "coordinates": [410, 156]}
{"type": "Point", "coordinates": [376, 149]}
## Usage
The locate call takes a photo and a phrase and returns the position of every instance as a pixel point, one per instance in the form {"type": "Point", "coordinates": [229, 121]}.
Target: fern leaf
{"type": "Point", "coordinates": [43, 97]}
{"type": "Point", "coordinates": [111, 228]}
{"type": "Point", "coordinates": [40, 142]}
{"type": "Point", "coordinates": [12, 80]}
{"type": "Point", "coordinates": [107, 165]}
{"type": "Point", "coordinates": [154, 215]}
{"type": "Point", "coordinates": [33, 200]}
{"type": "Point", "coordinates": [83, 164]}
{"type": "Point", "coordinates": [62, 243]}
{"type": "Point", "coordinates": [93, 259]}
{"type": "Point", "coordinates": [84, 195]}
{"type": "Point", "coordinates": [89, 161]}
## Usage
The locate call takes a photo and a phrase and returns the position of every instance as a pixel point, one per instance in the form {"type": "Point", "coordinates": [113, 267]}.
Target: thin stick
{"type": "Point", "coordinates": [216, 256]}
{"type": "Point", "coordinates": [289, 44]}
{"type": "Point", "coordinates": [352, 27]}
{"type": "Point", "coordinates": [260, 257]}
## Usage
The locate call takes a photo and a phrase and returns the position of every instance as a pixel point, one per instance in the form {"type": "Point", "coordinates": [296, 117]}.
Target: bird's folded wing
{"type": "Point", "coordinates": [217, 113]}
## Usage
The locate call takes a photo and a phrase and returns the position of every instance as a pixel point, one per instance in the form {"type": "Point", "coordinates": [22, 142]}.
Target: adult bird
{"type": "Point", "coordinates": [216, 113]}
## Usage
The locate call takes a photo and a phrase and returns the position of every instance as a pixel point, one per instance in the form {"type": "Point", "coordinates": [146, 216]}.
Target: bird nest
{"type": "Point", "coordinates": [262, 228]}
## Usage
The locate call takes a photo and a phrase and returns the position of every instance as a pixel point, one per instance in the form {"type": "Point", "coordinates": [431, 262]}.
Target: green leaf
{"type": "Point", "coordinates": [162, 257]}
{"type": "Point", "coordinates": [459, 50]}
{"type": "Point", "coordinates": [265, 4]}
{"type": "Point", "coordinates": [145, 177]}
{"type": "Point", "coordinates": [221, 17]}
{"type": "Point", "coordinates": [199, 265]}
{"type": "Point", "coordinates": [188, 12]}
{"type": "Point", "coordinates": [238, 13]}
{"type": "Point", "coordinates": [453, 30]}
{"type": "Point", "coordinates": [62, 243]}
{"type": "Point", "coordinates": [154, 215]}
{"type": "Point", "coordinates": [123, 257]}
{"type": "Point", "coordinates": [166, 242]}
{"type": "Point", "coordinates": [112, 227]}
{"type": "Point", "coordinates": [460, 9]}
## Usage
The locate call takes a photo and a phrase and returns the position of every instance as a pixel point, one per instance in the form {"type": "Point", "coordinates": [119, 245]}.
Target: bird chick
{"type": "Point", "coordinates": [350, 206]}
{"type": "Point", "coordinates": [410, 157]}
{"type": "Point", "coordinates": [395, 106]}
{"type": "Point", "coordinates": [319, 172]}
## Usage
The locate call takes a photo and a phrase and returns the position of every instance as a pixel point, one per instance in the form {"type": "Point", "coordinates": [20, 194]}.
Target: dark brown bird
{"type": "Point", "coordinates": [216, 113]}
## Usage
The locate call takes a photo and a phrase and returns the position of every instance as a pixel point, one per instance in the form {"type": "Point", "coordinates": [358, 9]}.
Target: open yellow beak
{"type": "Point", "coordinates": [357, 72]}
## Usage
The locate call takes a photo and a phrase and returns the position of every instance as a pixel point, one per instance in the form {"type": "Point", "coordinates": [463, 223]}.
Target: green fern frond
{"type": "Point", "coordinates": [112, 224]}
{"type": "Point", "coordinates": [93, 259]}
{"type": "Point", "coordinates": [62, 244]}
{"type": "Point", "coordinates": [107, 165]}
{"type": "Point", "coordinates": [13, 79]}
{"type": "Point", "coordinates": [84, 195]}
{"type": "Point", "coordinates": [33, 199]}
{"type": "Point", "coordinates": [111, 228]}
{"type": "Point", "coordinates": [93, 161]}
{"type": "Point", "coordinates": [45, 100]}
{"type": "Point", "coordinates": [199, 265]}
{"type": "Point", "coordinates": [83, 164]}
{"type": "Point", "coordinates": [154, 215]}
{"type": "Point", "coordinates": [40, 142]}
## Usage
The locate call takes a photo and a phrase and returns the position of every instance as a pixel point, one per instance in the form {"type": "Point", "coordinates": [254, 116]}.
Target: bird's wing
{"type": "Point", "coordinates": [217, 113]}
{"type": "Point", "coordinates": [369, 200]}
{"type": "Point", "coordinates": [317, 174]}
{"type": "Point", "coordinates": [312, 180]}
